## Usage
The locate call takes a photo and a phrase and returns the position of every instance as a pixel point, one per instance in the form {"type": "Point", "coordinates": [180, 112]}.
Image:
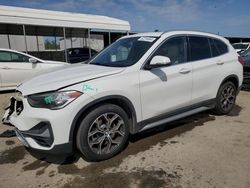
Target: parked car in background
{"type": "Point", "coordinates": [15, 67]}
{"type": "Point", "coordinates": [76, 55]}
{"type": "Point", "coordinates": [137, 83]}
{"type": "Point", "coordinates": [246, 65]}
{"type": "Point", "coordinates": [241, 47]}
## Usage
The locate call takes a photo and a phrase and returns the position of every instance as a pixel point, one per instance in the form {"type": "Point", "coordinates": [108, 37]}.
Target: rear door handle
{"type": "Point", "coordinates": [184, 71]}
{"type": "Point", "coordinates": [220, 63]}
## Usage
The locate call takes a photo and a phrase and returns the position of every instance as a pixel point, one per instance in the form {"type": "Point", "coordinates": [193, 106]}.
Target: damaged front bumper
{"type": "Point", "coordinates": [32, 128]}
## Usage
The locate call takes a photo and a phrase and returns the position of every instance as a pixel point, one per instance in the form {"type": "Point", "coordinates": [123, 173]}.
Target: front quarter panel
{"type": "Point", "coordinates": [125, 84]}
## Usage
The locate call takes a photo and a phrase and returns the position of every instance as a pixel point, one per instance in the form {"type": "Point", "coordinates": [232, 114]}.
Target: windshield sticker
{"type": "Point", "coordinates": [146, 39]}
{"type": "Point", "coordinates": [89, 88]}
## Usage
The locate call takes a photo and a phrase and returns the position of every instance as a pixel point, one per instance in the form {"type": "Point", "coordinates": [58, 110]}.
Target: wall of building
{"type": "Point", "coordinates": [17, 42]}
{"type": "Point", "coordinates": [96, 42]}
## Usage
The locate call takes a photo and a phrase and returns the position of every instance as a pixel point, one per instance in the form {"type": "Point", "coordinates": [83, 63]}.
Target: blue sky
{"type": "Point", "coordinates": [226, 17]}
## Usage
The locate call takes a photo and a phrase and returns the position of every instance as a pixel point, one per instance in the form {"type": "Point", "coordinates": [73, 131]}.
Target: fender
{"type": "Point", "coordinates": [124, 100]}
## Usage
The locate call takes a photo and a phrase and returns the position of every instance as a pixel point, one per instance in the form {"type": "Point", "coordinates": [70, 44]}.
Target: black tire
{"type": "Point", "coordinates": [98, 126]}
{"type": "Point", "coordinates": [225, 98]}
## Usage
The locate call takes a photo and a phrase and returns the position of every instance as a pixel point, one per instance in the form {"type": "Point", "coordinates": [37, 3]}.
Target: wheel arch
{"type": "Point", "coordinates": [118, 100]}
{"type": "Point", "coordinates": [233, 78]}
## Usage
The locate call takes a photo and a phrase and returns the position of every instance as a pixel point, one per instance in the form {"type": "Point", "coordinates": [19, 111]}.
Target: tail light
{"type": "Point", "coordinates": [240, 60]}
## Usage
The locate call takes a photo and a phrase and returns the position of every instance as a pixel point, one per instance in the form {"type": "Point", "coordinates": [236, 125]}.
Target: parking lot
{"type": "Point", "coordinates": [200, 151]}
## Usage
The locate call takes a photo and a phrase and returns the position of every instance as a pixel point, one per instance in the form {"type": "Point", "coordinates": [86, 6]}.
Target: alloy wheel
{"type": "Point", "coordinates": [106, 133]}
{"type": "Point", "coordinates": [227, 97]}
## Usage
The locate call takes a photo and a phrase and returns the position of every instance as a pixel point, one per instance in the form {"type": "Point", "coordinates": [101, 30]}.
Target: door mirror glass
{"type": "Point", "coordinates": [159, 61]}
{"type": "Point", "coordinates": [32, 60]}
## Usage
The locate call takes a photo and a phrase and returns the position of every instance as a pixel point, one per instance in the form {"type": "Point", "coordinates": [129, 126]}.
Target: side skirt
{"type": "Point", "coordinates": [175, 115]}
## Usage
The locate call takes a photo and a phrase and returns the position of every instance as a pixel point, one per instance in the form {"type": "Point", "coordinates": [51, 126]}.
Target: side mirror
{"type": "Point", "coordinates": [32, 60]}
{"type": "Point", "coordinates": [158, 61]}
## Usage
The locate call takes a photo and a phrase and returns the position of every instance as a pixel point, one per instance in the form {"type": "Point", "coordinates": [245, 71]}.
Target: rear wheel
{"type": "Point", "coordinates": [225, 99]}
{"type": "Point", "coordinates": [103, 132]}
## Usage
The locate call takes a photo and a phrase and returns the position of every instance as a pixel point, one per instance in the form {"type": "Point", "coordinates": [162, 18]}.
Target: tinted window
{"type": "Point", "coordinates": [240, 46]}
{"type": "Point", "coordinates": [173, 48]}
{"type": "Point", "coordinates": [5, 57]}
{"type": "Point", "coordinates": [199, 48]}
{"type": "Point", "coordinates": [221, 46]}
{"type": "Point", "coordinates": [214, 48]}
{"type": "Point", "coordinates": [84, 51]}
{"type": "Point", "coordinates": [12, 57]}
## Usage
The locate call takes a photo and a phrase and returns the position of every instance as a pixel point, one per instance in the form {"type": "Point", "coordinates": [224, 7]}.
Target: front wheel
{"type": "Point", "coordinates": [103, 133]}
{"type": "Point", "coordinates": [225, 99]}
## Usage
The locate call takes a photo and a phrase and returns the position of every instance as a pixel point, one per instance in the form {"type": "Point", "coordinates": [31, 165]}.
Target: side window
{"type": "Point", "coordinates": [174, 48]}
{"type": "Point", "coordinates": [214, 48]}
{"type": "Point", "coordinates": [15, 57]}
{"type": "Point", "coordinates": [5, 56]}
{"type": "Point", "coordinates": [221, 46]}
{"type": "Point", "coordinates": [199, 48]}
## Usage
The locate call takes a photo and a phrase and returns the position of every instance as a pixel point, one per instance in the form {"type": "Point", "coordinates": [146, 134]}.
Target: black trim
{"type": "Point", "coordinates": [209, 103]}
{"type": "Point", "coordinates": [98, 101]}
{"type": "Point", "coordinates": [66, 148]}
{"type": "Point", "coordinates": [36, 133]}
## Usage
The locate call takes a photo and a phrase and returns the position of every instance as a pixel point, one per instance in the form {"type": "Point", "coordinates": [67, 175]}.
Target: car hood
{"type": "Point", "coordinates": [65, 76]}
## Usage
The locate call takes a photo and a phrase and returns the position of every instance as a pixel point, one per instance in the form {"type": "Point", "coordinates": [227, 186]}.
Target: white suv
{"type": "Point", "coordinates": [139, 82]}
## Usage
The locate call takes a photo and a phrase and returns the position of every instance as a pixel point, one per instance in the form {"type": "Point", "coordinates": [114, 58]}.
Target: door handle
{"type": "Point", "coordinates": [184, 71]}
{"type": "Point", "coordinates": [6, 68]}
{"type": "Point", "coordinates": [220, 63]}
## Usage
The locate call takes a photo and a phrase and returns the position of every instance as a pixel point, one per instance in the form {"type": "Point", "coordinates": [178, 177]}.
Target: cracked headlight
{"type": "Point", "coordinates": [53, 100]}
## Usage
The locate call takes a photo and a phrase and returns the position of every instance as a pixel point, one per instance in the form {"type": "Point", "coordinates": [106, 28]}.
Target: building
{"type": "Point", "coordinates": [38, 31]}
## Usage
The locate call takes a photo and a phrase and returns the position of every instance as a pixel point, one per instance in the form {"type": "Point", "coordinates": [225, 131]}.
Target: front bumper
{"type": "Point", "coordinates": [42, 129]}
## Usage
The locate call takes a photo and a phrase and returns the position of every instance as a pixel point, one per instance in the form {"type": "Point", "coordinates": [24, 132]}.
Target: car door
{"type": "Point", "coordinates": [166, 89]}
{"type": "Point", "coordinates": [15, 68]}
{"type": "Point", "coordinates": [206, 68]}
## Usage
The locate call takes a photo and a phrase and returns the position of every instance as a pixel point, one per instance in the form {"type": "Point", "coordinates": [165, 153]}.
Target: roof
{"type": "Point", "coordinates": [38, 17]}
{"type": "Point", "coordinates": [175, 32]}
{"type": "Point", "coordinates": [149, 34]}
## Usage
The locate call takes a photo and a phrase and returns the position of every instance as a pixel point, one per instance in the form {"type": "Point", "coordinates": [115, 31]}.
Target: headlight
{"type": "Point", "coordinates": [53, 100]}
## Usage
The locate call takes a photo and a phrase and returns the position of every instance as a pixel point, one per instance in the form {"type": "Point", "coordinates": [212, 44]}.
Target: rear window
{"type": "Point", "coordinates": [221, 46]}
{"type": "Point", "coordinates": [239, 46]}
{"type": "Point", "coordinates": [215, 50]}
{"type": "Point", "coordinates": [199, 48]}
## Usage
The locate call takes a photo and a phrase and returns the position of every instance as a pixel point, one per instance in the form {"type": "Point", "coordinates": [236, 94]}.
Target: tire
{"type": "Point", "coordinates": [225, 98]}
{"type": "Point", "coordinates": [103, 132]}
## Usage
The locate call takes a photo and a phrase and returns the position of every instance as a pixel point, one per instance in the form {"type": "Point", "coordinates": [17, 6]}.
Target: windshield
{"type": "Point", "coordinates": [246, 53]}
{"type": "Point", "coordinates": [124, 52]}
{"type": "Point", "coordinates": [240, 46]}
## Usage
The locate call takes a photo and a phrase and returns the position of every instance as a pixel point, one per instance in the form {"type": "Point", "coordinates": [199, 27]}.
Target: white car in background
{"type": "Point", "coordinates": [15, 67]}
{"type": "Point", "coordinates": [241, 47]}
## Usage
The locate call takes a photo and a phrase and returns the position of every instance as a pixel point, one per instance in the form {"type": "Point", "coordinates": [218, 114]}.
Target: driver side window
{"type": "Point", "coordinates": [15, 57]}
{"type": "Point", "coordinates": [174, 48]}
